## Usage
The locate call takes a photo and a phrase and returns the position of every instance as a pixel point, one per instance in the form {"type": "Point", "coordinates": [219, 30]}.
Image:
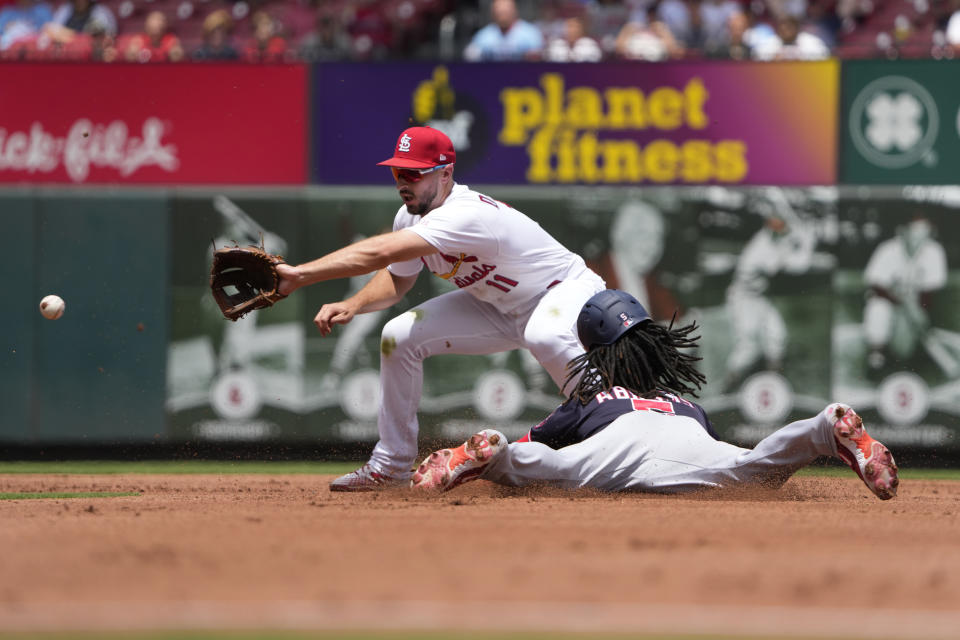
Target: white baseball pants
{"type": "Point", "coordinates": [647, 451]}
{"type": "Point", "coordinates": [456, 322]}
{"type": "Point", "coordinates": [888, 325]}
{"type": "Point", "coordinates": [758, 331]}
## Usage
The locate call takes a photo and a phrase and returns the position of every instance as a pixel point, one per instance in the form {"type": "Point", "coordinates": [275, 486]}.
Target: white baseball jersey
{"type": "Point", "coordinates": [893, 268]}
{"type": "Point", "coordinates": [496, 253]}
{"type": "Point", "coordinates": [768, 253]}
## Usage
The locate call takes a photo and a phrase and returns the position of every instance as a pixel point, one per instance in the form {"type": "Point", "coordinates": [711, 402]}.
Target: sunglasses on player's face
{"type": "Point", "coordinates": [414, 175]}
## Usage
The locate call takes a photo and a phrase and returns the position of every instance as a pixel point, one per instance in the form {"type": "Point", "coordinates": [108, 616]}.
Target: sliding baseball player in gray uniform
{"type": "Point", "coordinates": [627, 426]}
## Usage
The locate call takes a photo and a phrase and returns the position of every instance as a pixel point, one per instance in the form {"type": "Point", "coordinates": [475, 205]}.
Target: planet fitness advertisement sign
{"type": "Point", "coordinates": [153, 124]}
{"type": "Point", "coordinates": [613, 124]}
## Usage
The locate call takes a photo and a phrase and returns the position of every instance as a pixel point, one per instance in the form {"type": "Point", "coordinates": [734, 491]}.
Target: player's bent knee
{"type": "Point", "coordinates": [395, 334]}
{"type": "Point", "coordinates": [398, 333]}
{"type": "Point", "coordinates": [544, 345]}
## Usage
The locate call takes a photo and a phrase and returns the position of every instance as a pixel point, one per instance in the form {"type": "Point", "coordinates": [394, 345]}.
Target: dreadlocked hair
{"type": "Point", "coordinates": [647, 358]}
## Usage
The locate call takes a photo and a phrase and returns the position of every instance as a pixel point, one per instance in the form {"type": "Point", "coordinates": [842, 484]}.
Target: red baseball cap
{"type": "Point", "coordinates": [421, 148]}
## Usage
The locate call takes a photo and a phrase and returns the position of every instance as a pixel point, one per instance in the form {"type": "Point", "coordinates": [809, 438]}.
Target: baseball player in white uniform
{"type": "Point", "coordinates": [759, 330]}
{"type": "Point", "coordinates": [902, 274]}
{"type": "Point", "coordinates": [516, 287]}
{"type": "Point", "coordinates": [626, 426]}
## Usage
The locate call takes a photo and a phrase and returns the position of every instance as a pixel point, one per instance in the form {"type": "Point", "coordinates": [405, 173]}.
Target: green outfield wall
{"type": "Point", "coordinates": [778, 278]}
{"type": "Point", "coordinates": [95, 375]}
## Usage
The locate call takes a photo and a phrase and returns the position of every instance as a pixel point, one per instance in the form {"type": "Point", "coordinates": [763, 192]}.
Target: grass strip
{"type": "Point", "coordinates": [41, 495]}
{"type": "Point", "coordinates": [220, 467]}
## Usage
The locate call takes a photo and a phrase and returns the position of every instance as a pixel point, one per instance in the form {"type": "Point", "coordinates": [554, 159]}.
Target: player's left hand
{"type": "Point", "coordinates": [331, 314]}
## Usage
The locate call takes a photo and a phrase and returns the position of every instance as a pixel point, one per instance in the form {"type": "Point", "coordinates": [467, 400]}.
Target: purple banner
{"type": "Point", "coordinates": [609, 124]}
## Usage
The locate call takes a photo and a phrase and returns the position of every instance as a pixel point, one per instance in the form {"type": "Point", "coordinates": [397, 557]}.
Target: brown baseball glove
{"type": "Point", "coordinates": [244, 279]}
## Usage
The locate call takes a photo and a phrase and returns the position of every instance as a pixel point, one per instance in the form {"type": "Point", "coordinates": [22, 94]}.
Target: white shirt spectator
{"type": "Point", "coordinates": [759, 34]}
{"type": "Point", "coordinates": [574, 45]}
{"type": "Point", "coordinates": [790, 43]}
{"type": "Point", "coordinates": [953, 29]}
{"type": "Point", "coordinates": [583, 50]}
{"type": "Point", "coordinates": [507, 37]}
{"type": "Point", "coordinates": [806, 47]}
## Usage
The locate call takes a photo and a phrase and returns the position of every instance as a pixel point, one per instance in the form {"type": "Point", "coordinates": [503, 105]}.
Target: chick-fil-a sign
{"type": "Point", "coordinates": [153, 124]}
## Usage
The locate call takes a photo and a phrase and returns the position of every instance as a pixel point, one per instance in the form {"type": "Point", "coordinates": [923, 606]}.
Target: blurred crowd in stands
{"type": "Point", "coordinates": [481, 30]}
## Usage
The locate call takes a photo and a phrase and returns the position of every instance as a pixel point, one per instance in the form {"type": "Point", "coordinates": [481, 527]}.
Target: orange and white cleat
{"type": "Point", "coordinates": [448, 468]}
{"type": "Point", "coordinates": [872, 461]}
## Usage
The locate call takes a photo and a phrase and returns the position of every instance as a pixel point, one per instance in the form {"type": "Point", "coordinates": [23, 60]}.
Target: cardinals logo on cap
{"type": "Point", "coordinates": [433, 147]}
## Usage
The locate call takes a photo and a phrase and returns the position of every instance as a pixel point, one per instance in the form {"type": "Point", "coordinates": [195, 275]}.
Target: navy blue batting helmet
{"type": "Point", "coordinates": [607, 316]}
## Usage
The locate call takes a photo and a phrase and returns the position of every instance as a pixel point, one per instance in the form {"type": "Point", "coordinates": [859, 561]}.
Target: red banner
{"type": "Point", "coordinates": [153, 124]}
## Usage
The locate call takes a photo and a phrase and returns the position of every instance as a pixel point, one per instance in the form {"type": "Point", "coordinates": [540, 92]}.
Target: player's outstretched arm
{"type": "Point", "coordinates": [382, 291]}
{"type": "Point", "coordinates": [356, 259]}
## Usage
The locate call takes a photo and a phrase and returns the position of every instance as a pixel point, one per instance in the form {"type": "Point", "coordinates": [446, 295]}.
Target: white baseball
{"type": "Point", "coordinates": [52, 307]}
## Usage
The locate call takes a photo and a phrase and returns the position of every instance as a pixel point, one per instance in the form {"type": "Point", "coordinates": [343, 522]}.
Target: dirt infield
{"type": "Point", "coordinates": [820, 557]}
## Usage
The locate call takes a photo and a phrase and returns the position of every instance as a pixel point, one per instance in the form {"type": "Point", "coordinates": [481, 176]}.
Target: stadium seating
{"type": "Point", "coordinates": [381, 29]}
